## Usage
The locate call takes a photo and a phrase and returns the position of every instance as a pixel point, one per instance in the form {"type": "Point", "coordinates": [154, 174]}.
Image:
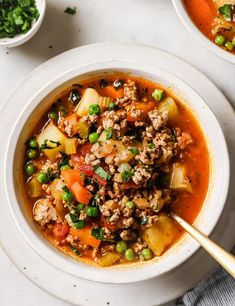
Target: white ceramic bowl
{"type": "Point", "coordinates": [20, 39]}
{"type": "Point", "coordinates": [14, 158]}
{"type": "Point", "coordinates": [192, 28]}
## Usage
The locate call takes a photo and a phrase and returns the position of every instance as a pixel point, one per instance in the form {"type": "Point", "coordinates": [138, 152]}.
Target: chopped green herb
{"type": "Point", "coordinates": [46, 146]}
{"type": "Point", "coordinates": [111, 105]}
{"type": "Point", "coordinates": [102, 173]}
{"type": "Point", "coordinates": [98, 233]}
{"type": "Point", "coordinates": [173, 137]}
{"type": "Point", "coordinates": [74, 96]}
{"type": "Point", "coordinates": [144, 220]}
{"type": "Point", "coordinates": [109, 133]}
{"type": "Point", "coordinates": [71, 11]}
{"type": "Point", "coordinates": [16, 17]}
{"type": "Point", "coordinates": [151, 146]}
{"type": "Point", "coordinates": [65, 160]}
{"type": "Point", "coordinates": [75, 250]}
{"type": "Point", "coordinates": [227, 11]}
{"type": "Point", "coordinates": [65, 189]}
{"type": "Point", "coordinates": [104, 83]}
{"type": "Point", "coordinates": [126, 176]}
{"type": "Point", "coordinates": [76, 222]}
{"type": "Point", "coordinates": [118, 84]}
{"type": "Point", "coordinates": [134, 151]}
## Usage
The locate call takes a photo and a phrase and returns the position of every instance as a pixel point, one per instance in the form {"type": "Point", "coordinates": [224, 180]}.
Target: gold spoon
{"type": "Point", "coordinates": [224, 258]}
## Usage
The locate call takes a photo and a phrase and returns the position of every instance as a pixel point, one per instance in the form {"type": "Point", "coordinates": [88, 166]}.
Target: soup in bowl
{"type": "Point", "coordinates": [212, 22]}
{"type": "Point", "coordinates": [100, 157]}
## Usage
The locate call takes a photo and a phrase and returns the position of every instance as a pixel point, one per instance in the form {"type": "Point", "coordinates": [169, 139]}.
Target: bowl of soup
{"type": "Point", "coordinates": [212, 23]}
{"type": "Point", "coordinates": [100, 156]}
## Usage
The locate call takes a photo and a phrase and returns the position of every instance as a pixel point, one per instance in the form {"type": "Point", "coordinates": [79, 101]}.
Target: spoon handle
{"type": "Point", "coordinates": [224, 258]}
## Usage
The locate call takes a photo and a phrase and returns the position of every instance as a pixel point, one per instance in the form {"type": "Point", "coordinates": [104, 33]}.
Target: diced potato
{"type": "Point", "coordinates": [90, 96]}
{"type": "Point", "coordinates": [109, 259]}
{"type": "Point", "coordinates": [161, 235]}
{"type": "Point", "coordinates": [50, 135]}
{"type": "Point", "coordinates": [70, 146]}
{"type": "Point", "coordinates": [123, 156]}
{"type": "Point", "coordinates": [34, 188]}
{"type": "Point", "coordinates": [168, 104]}
{"type": "Point", "coordinates": [179, 179]}
{"type": "Point", "coordinates": [56, 189]}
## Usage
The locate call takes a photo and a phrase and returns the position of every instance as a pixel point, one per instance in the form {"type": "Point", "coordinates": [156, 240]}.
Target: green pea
{"type": "Point", "coordinates": [33, 144]}
{"type": "Point", "coordinates": [53, 115]}
{"type": "Point", "coordinates": [129, 254]}
{"type": "Point", "coordinates": [229, 45]}
{"type": "Point", "coordinates": [29, 169]}
{"type": "Point", "coordinates": [65, 167]}
{"type": "Point", "coordinates": [43, 178]}
{"type": "Point", "coordinates": [130, 204]}
{"type": "Point", "coordinates": [220, 40]}
{"type": "Point", "coordinates": [121, 246]}
{"type": "Point", "coordinates": [94, 109]}
{"type": "Point", "coordinates": [32, 153]}
{"type": "Point", "coordinates": [92, 212]}
{"type": "Point", "coordinates": [80, 206]}
{"type": "Point", "coordinates": [146, 254]}
{"type": "Point", "coordinates": [93, 137]}
{"type": "Point", "coordinates": [233, 41]}
{"type": "Point", "coordinates": [67, 196]}
{"type": "Point", "coordinates": [111, 106]}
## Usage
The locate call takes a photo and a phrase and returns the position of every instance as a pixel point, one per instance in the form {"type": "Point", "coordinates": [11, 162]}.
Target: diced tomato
{"type": "Point", "coordinates": [60, 231]}
{"type": "Point", "coordinates": [99, 180]}
{"type": "Point", "coordinates": [85, 236]}
{"type": "Point", "coordinates": [87, 170]}
{"type": "Point", "coordinates": [81, 194]}
{"type": "Point", "coordinates": [71, 176]}
{"type": "Point", "coordinates": [113, 93]}
{"type": "Point", "coordinates": [85, 149]}
{"type": "Point", "coordinates": [143, 107]}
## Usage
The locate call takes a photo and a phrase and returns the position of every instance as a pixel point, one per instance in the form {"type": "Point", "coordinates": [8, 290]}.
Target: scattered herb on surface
{"type": "Point", "coordinates": [126, 176]}
{"type": "Point", "coordinates": [71, 11]}
{"type": "Point", "coordinates": [227, 11]}
{"type": "Point", "coordinates": [75, 250]}
{"type": "Point", "coordinates": [98, 233]}
{"type": "Point", "coordinates": [109, 133]}
{"type": "Point", "coordinates": [134, 151]}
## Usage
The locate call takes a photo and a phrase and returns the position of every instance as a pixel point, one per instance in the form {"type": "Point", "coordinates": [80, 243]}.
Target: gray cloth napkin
{"type": "Point", "coordinates": [217, 290]}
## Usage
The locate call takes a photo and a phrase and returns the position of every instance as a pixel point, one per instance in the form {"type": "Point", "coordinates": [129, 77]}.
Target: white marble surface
{"type": "Point", "coordinates": [152, 22]}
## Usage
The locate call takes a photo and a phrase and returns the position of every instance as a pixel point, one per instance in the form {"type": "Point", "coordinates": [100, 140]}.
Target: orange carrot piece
{"type": "Point", "coordinates": [71, 176]}
{"type": "Point", "coordinates": [72, 121]}
{"type": "Point", "coordinates": [81, 194]}
{"type": "Point", "coordinates": [111, 92]}
{"type": "Point", "coordinates": [85, 236]}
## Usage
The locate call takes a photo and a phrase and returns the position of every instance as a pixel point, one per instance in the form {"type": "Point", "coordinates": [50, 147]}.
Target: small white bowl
{"type": "Point", "coordinates": [27, 119]}
{"type": "Point", "coordinates": [192, 28]}
{"type": "Point", "coordinates": [20, 39]}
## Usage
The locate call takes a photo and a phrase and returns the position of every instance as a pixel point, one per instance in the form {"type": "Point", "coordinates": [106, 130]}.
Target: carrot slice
{"type": "Point", "coordinates": [71, 176]}
{"type": "Point", "coordinates": [85, 236]}
{"type": "Point", "coordinates": [111, 92]}
{"type": "Point", "coordinates": [81, 194]}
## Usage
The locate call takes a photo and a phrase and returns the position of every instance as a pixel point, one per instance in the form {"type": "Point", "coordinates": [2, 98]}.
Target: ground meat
{"type": "Point", "coordinates": [127, 235]}
{"type": "Point", "coordinates": [130, 94]}
{"type": "Point", "coordinates": [184, 140]}
{"type": "Point", "coordinates": [141, 175]}
{"type": "Point", "coordinates": [158, 119]}
{"type": "Point", "coordinates": [44, 212]}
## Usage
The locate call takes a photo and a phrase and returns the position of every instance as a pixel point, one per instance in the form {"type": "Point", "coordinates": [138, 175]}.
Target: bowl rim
{"type": "Point", "coordinates": [198, 35]}
{"type": "Point", "coordinates": [20, 39]}
{"type": "Point", "coordinates": [106, 276]}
